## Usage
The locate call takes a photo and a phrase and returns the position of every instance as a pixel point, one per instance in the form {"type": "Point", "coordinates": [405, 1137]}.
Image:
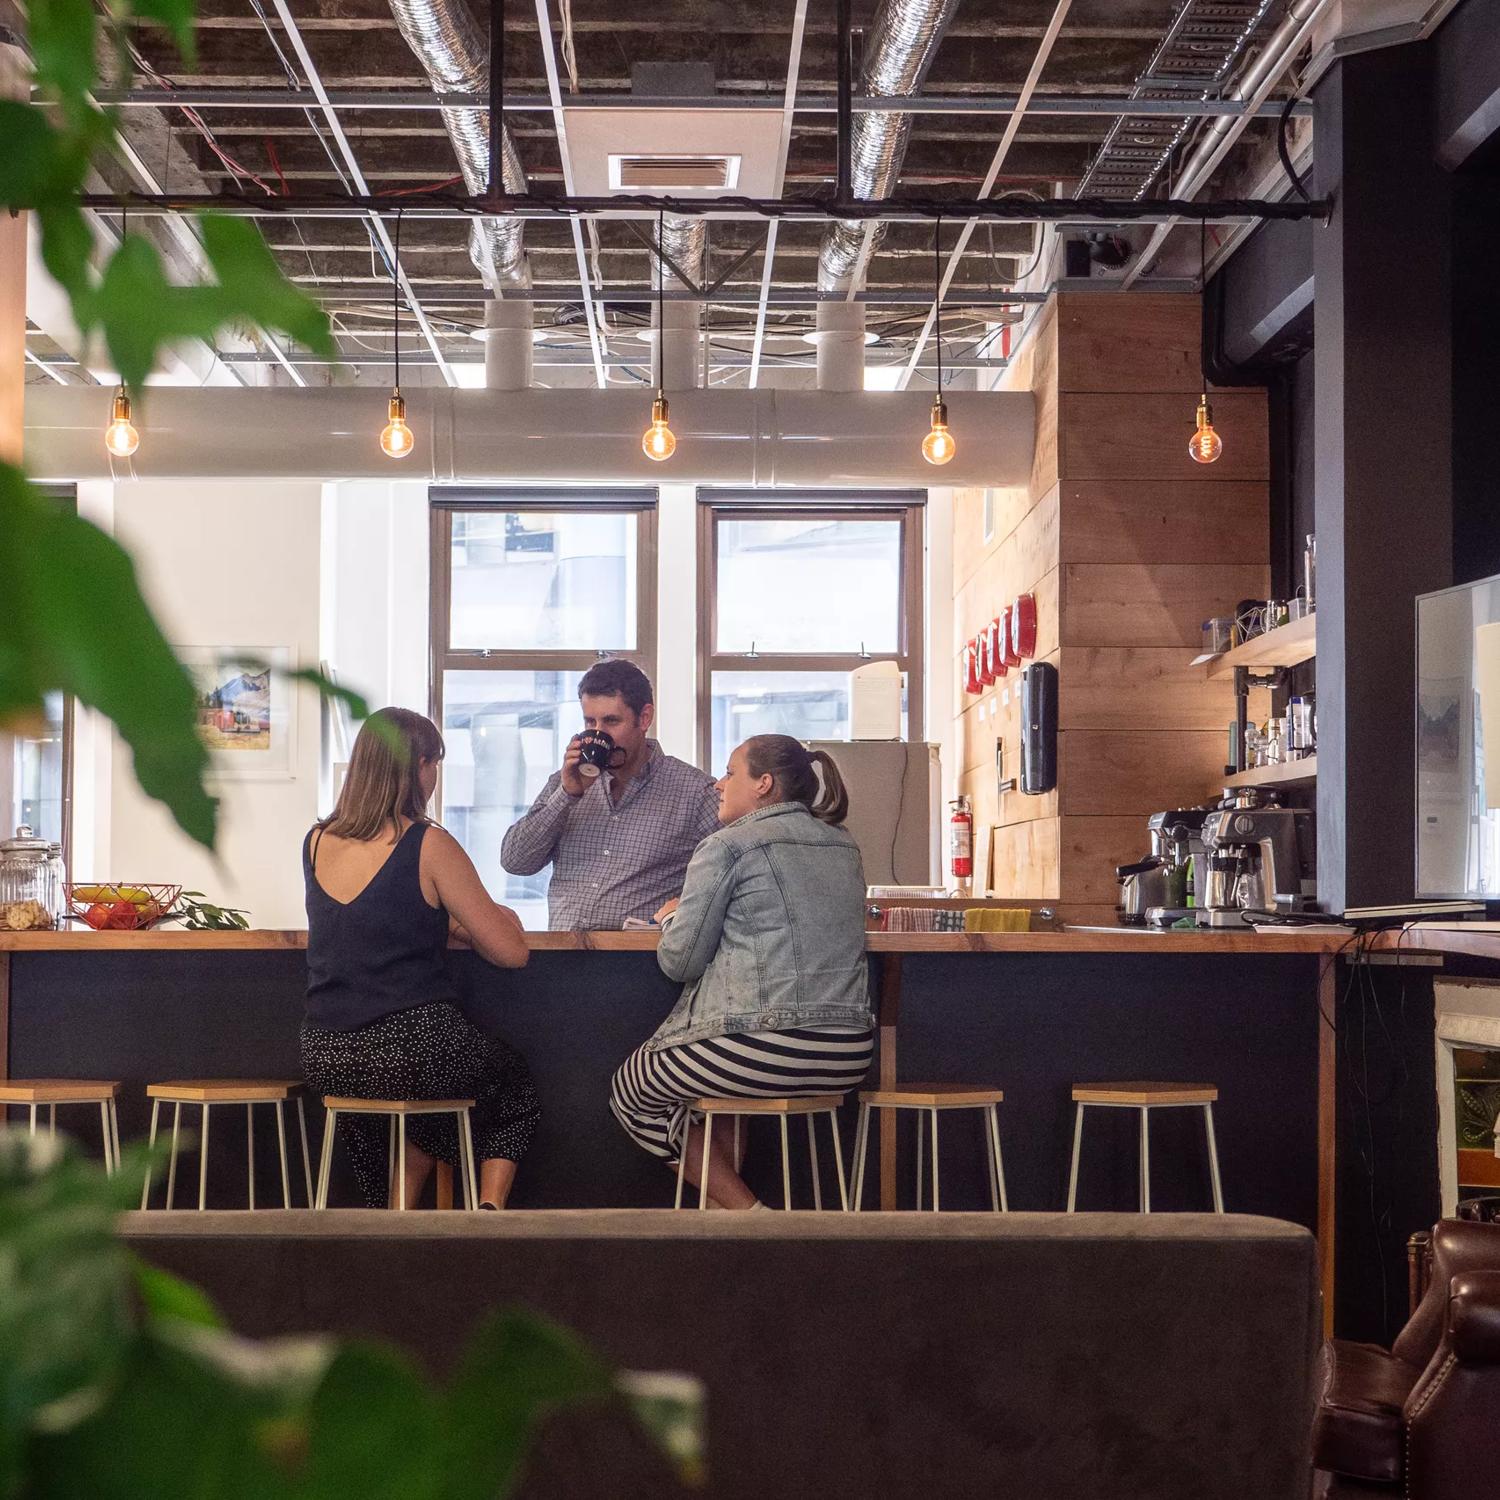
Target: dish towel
{"type": "Point", "coordinates": [997, 919]}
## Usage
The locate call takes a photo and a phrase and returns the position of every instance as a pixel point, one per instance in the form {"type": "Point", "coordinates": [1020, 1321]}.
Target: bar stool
{"type": "Point", "coordinates": [55, 1091]}
{"type": "Point", "coordinates": [399, 1110]}
{"type": "Point", "coordinates": [930, 1099]}
{"type": "Point", "coordinates": [1145, 1097]}
{"type": "Point", "coordinates": [782, 1109]}
{"type": "Point", "coordinates": [208, 1092]}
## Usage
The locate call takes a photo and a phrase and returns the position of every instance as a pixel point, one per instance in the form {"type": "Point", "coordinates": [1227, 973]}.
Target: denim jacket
{"type": "Point", "coordinates": [770, 932]}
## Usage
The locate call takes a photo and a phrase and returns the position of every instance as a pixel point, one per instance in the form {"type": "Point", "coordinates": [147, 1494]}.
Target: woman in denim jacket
{"type": "Point", "coordinates": [769, 938]}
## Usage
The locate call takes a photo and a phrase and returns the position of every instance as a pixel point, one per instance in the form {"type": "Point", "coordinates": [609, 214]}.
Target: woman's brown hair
{"type": "Point", "coordinates": [383, 783]}
{"type": "Point", "coordinates": [797, 772]}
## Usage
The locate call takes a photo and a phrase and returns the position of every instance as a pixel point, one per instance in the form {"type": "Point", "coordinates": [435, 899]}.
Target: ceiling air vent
{"type": "Point", "coordinates": [634, 174]}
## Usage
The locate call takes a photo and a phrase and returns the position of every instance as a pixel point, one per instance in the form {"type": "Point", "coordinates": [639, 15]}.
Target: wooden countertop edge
{"type": "Point", "coordinates": [1125, 941]}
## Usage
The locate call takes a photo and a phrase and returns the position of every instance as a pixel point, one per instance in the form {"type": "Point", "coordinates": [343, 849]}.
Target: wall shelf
{"type": "Point", "coordinates": [1286, 646]}
{"type": "Point", "coordinates": [1287, 773]}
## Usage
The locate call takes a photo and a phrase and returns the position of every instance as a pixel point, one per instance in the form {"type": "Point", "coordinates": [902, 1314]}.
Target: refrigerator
{"type": "Point", "coordinates": [895, 791]}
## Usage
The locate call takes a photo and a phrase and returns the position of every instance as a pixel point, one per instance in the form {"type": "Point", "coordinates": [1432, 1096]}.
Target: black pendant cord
{"type": "Point", "coordinates": [937, 298]}
{"type": "Point", "coordinates": [1202, 302]}
{"type": "Point", "coordinates": [396, 303]}
{"type": "Point", "coordinates": [661, 327]}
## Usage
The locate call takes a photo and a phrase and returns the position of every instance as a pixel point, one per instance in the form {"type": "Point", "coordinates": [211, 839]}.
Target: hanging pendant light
{"type": "Point", "coordinates": [659, 442]}
{"type": "Point", "coordinates": [1206, 445]}
{"type": "Point", "coordinates": [397, 440]}
{"type": "Point", "coordinates": [938, 447]}
{"type": "Point", "coordinates": [120, 437]}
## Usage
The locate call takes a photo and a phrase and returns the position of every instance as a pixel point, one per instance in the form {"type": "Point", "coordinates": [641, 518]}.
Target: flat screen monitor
{"type": "Point", "coordinates": [1458, 742]}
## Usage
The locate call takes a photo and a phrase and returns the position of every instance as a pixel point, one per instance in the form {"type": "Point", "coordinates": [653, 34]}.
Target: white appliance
{"type": "Point", "coordinates": [895, 791]}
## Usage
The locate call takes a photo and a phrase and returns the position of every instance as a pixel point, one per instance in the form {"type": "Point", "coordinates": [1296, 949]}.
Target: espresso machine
{"type": "Point", "coordinates": [1258, 857]}
{"type": "Point", "coordinates": [1155, 891]}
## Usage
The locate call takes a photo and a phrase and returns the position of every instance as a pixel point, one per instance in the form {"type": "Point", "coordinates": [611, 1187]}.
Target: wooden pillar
{"type": "Point", "coordinates": [13, 85]}
{"type": "Point", "coordinates": [1384, 434]}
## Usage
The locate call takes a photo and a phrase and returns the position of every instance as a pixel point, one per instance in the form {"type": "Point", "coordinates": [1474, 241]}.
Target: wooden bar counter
{"type": "Point", "coordinates": [1032, 1013]}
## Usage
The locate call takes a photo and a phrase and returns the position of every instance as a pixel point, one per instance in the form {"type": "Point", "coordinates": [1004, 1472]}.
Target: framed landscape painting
{"type": "Point", "coordinates": [247, 709]}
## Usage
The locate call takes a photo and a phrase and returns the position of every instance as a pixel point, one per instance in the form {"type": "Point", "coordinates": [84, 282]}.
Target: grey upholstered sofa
{"type": "Point", "coordinates": [1044, 1356]}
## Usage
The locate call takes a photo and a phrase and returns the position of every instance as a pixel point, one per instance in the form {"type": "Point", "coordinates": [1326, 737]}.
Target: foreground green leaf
{"type": "Point", "coordinates": [255, 288]}
{"type": "Point", "coordinates": [75, 622]}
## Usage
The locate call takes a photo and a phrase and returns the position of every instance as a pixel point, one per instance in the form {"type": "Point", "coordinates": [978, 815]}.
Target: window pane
{"type": "Point", "coordinates": [38, 776]}
{"type": "Point", "coordinates": [528, 581]}
{"type": "Point", "coordinates": [806, 705]}
{"type": "Point", "coordinates": [505, 733]}
{"type": "Point", "coordinates": [809, 585]}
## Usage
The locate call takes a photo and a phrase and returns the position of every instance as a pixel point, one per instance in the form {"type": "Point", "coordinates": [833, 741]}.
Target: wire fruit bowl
{"type": "Point", "coordinates": [121, 906]}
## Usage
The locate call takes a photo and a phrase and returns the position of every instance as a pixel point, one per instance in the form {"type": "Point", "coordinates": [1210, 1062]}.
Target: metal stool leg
{"type": "Point", "coordinates": [1077, 1142]}
{"type": "Point", "coordinates": [286, 1177]}
{"type": "Point", "coordinates": [918, 1204]}
{"type": "Point", "coordinates": [1213, 1158]}
{"type": "Point", "coordinates": [838, 1159]}
{"type": "Point", "coordinates": [33, 1119]}
{"type": "Point", "coordinates": [306, 1162]}
{"type": "Point", "coordinates": [203, 1164]}
{"type": "Point", "coordinates": [1145, 1160]}
{"type": "Point", "coordinates": [994, 1116]}
{"type": "Point", "coordinates": [989, 1159]}
{"type": "Point", "coordinates": [114, 1131]}
{"type": "Point", "coordinates": [109, 1153]}
{"type": "Point", "coordinates": [687, 1126]}
{"type": "Point", "coordinates": [146, 1186]}
{"type": "Point", "coordinates": [325, 1159]}
{"type": "Point", "coordinates": [250, 1150]}
{"type": "Point", "coordinates": [786, 1167]}
{"type": "Point", "coordinates": [708, 1135]}
{"type": "Point", "coordinates": [401, 1162]}
{"type": "Point", "coordinates": [934, 1161]}
{"type": "Point", "coordinates": [812, 1156]}
{"type": "Point", "coordinates": [52, 1120]}
{"type": "Point", "coordinates": [861, 1137]}
{"type": "Point", "coordinates": [172, 1160]}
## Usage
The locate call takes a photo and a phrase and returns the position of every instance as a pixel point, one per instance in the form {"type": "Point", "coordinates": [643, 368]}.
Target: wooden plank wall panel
{"type": "Point", "coordinates": [1129, 546]}
{"type": "Point", "coordinates": [1136, 771]}
{"type": "Point", "coordinates": [1144, 435]}
{"type": "Point", "coordinates": [1147, 341]}
{"type": "Point", "coordinates": [1109, 687]}
{"type": "Point", "coordinates": [1152, 604]}
{"type": "Point", "coordinates": [1138, 520]}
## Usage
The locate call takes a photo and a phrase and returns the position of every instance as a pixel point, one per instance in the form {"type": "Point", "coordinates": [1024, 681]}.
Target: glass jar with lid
{"type": "Point", "coordinates": [27, 903]}
{"type": "Point", "coordinates": [57, 873]}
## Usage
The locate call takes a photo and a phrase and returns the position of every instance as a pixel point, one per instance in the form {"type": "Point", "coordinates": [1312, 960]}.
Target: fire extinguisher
{"type": "Point", "coordinates": [961, 842]}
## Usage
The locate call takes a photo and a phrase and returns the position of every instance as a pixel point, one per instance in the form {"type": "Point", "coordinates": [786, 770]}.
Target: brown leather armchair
{"type": "Point", "coordinates": [1421, 1420]}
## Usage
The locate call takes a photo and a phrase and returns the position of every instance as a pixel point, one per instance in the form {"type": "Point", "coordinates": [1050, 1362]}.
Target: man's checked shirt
{"type": "Point", "coordinates": [614, 860]}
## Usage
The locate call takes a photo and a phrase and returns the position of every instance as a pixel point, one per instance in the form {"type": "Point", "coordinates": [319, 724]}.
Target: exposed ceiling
{"type": "Point", "coordinates": [354, 45]}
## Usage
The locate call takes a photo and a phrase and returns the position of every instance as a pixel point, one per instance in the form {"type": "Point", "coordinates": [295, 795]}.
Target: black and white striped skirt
{"type": "Point", "coordinates": [651, 1089]}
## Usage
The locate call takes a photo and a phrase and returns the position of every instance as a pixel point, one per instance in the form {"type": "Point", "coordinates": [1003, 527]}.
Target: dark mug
{"type": "Point", "coordinates": [595, 751]}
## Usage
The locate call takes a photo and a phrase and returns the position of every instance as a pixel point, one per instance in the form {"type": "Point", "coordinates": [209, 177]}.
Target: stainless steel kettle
{"type": "Point", "coordinates": [1142, 886]}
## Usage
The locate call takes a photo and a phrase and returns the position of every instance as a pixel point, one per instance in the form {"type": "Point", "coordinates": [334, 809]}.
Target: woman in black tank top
{"type": "Point", "coordinates": [382, 1018]}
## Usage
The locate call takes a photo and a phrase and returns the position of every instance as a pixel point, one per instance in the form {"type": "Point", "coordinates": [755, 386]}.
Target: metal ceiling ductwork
{"type": "Point", "coordinates": [760, 437]}
{"type": "Point", "coordinates": [898, 53]}
{"type": "Point", "coordinates": [455, 57]}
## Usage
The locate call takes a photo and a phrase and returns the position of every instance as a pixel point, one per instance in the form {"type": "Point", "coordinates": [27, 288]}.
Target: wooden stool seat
{"type": "Point", "coordinates": [808, 1106]}
{"type": "Point", "coordinates": [399, 1111]}
{"type": "Point", "coordinates": [1145, 1097]}
{"type": "Point", "coordinates": [32, 1092]}
{"type": "Point", "coordinates": [932, 1096]}
{"type": "Point", "coordinates": [1136, 1095]}
{"type": "Point", "coordinates": [930, 1099]}
{"type": "Point", "coordinates": [813, 1104]}
{"type": "Point", "coordinates": [224, 1090]}
{"type": "Point", "coordinates": [397, 1106]}
{"type": "Point", "coordinates": [57, 1091]}
{"type": "Point", "coordinates": [207, 1093]}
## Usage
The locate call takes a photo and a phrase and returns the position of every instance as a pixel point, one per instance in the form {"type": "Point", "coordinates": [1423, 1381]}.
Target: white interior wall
{"type": "Point", "coordinates": [229, 565]}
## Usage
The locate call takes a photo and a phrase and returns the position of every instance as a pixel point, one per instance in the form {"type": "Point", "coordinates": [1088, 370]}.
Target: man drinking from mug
{"type": "Point", "coordinates": [621, 819]}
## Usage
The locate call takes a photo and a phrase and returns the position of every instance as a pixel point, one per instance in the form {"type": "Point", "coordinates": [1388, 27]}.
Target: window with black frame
{"type": "Point", "coordinates": [795, 592]}
{"type": "Point", "coordinates": [529, 590]}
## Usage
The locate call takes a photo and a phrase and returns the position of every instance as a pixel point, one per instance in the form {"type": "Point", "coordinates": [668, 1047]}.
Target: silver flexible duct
{"type": "Point", "coordinates": [455, 56]}
{"type": "Point", "coordinates": [898, 53]}
{"type": "Point", "coordinates": [684, 237]}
